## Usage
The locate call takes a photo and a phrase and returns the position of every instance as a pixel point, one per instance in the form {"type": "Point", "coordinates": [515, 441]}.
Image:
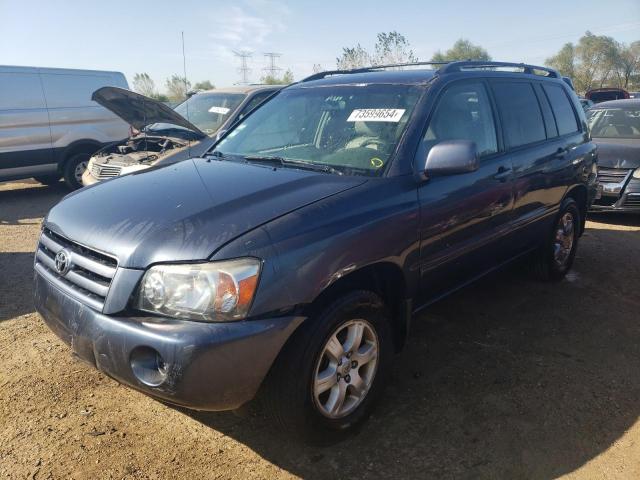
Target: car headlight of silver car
{"type": "Point", "coordinates": [636, 173]}
{"type": "Point", "coordinates": [213, 291]}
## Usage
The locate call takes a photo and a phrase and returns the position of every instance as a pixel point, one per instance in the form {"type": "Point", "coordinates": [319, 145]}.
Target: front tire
{"type": "Point", "coordinates": [556, 256]}
{"type": "Point", "coordinates": [327, 378]}
{"type": "Point", "coordinates": [74, 167]}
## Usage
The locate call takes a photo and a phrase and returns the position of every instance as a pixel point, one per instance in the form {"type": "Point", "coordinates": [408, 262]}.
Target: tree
{"type": "Point", "coordinates": [391, 48]}
{"type": "Point", "coordinates": [628, 63]}
{"type": "Point", "coordinates": [177, 87]}
{"type": "Point", "coordinates": [204, 85]}
{"type": "Point", "coordinates": [317, 68]}
{"type": "Point", "coordinates": [286, 79]}
{"type": "Point", "coordinates": [356, 57]}
{"type": "Point", "coordinates": [462, 50]}
{"type": "Point", "coordinates": [144, 84]}
{"type": "Point", "coordinates": [598, 61]}
{"type": "Point", "coordinates": [564, 61]}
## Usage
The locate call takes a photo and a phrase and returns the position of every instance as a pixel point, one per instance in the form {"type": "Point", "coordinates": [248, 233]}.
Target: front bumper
{"type": "Point", "coordinates": [88, 179]}
{"type": "Point", "coordinates": [205, 366]}
{"type": "Point", "coordinates": [626, 198]}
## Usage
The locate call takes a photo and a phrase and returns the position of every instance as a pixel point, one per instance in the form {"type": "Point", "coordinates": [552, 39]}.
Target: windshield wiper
{"type": "Point", "coordinates": [284, 162]}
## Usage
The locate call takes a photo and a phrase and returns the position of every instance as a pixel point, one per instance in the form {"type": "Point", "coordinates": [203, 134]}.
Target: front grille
{"type": "Point", "coordinates": [102, 172]}
{"type": "Point", "coordinates": [612, 175]}
{"type": "Point", "coordinates": [88, 275]}
{"type": "Point", "coordinates": [633, 200]}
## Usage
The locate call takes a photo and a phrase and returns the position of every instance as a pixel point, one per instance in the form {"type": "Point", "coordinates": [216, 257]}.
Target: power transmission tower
{"type": "Point", "coordinates": [244, 69]}
{"type": "Point", "coordinates": [272, 70]}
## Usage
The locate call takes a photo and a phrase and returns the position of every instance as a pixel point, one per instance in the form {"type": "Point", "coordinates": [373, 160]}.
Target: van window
{"type": "Point", "coordinates": [463, 113]}
{"type": "Point", "coordinates": [562, 110]}
{"type": "Point", "coordinates": [521, 116]}
{"type": "Point", "coordinates": [64, 90]}
{"type": "Point", "coordinates": [20, 91]}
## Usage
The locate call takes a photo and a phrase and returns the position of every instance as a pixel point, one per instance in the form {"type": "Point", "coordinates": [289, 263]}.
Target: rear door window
{"type": "Point", "coordinates": [20, 91]}
{"type": "Point", "coordinates": [463, 113]}
{"type": "Point", "coordinates": [520, 113]}
{"type": "Point", "coordinates": [562, 109]}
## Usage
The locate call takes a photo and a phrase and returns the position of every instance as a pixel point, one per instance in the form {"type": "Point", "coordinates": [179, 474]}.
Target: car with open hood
{"type": "Point", "coordinates": [287, 262]}
{"type": "Point", "coordinates": [161, 134]}
{"type": "Point", "coordinates": [615, 129]}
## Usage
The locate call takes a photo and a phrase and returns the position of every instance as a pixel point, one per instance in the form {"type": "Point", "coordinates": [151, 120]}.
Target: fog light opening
{"type": "Point", "coordinates": [148, 366]}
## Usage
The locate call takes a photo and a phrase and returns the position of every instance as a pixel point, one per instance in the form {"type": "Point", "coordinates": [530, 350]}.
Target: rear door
{"type": "Point", "coordinates": [25, 136]}
{"type": "Point", "coordinates": [463, 217]}
{"type": "Point", "coordinates": [541, 155]}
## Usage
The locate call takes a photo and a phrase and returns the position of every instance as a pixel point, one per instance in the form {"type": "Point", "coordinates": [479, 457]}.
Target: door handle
{"type": "Point", "coordinates": [503, 174]}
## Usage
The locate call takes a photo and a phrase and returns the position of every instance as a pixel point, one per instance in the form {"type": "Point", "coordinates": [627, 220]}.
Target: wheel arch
{"type": "Point", "coordinates": [79, 146]}
{"type": "Point", "coordinates": [580, 195]}
{"type": "Point", "coordinates": [385, 279]}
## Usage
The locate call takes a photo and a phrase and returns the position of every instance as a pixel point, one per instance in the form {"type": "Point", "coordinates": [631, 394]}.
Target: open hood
{"type": "Point", "coordinates": [138, 110]}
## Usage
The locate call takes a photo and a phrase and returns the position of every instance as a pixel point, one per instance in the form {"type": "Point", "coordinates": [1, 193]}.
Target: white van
{"type": "Point", "coordinates": [49, 126]}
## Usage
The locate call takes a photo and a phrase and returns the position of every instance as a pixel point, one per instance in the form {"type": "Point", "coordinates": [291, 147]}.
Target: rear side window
{"type": "Point", "coordinates": [72, 90]}
{"type": "Point", "coordinates": [20, 91]}
{"type": "Point", "coordinates": [520, 113]}
{"type": "Point", "coordinates": [463, 113]}
{"type": "Point", "coordinates": [562, 110]}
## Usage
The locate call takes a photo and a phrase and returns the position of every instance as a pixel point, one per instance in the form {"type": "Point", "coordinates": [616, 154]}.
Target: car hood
{"type": "Point", "coordinates": [618, 152]}
{"type": "Point", "coordinates": [138, 110]}
{"type": "Point", "coordinates": [186, 211]}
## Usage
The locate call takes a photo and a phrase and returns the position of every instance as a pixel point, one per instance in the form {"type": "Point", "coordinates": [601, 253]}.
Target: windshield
{"type": "Point", "coordinates": [614, 122]}
{"type": "Point", "coordinates": [352, 128]}
{"type": "Point", "coordinates": [207, 111]}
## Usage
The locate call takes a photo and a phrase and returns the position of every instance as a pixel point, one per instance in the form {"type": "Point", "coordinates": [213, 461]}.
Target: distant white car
{"type": "Point", "coordinates": [166, 135]}
{"type": "Point", "coordinates": [49, 126]}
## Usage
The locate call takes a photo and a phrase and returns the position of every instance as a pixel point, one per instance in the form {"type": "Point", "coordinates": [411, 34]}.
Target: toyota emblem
{"type": "Point", "coordinates": [63, 262]}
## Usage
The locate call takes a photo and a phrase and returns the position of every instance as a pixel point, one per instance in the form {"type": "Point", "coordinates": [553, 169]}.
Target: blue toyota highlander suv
{"type": "Point", "coordinates": [289, 260]}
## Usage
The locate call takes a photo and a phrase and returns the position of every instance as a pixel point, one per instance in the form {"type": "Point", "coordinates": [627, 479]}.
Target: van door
{"type": "Point", "coordinates": [25, 135]}
{"type": "Point", "coordinates": [463, 216]}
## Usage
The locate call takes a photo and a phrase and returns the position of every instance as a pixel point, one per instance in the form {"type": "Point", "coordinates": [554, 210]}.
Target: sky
{"type": "Point", "coordinates": [145, 36]}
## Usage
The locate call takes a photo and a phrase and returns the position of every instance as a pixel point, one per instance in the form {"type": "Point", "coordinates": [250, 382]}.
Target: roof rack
{"type": "Point", "coordinates": [473, 64]}
{"type": "Point", "coordinates": [446, 67]}
{"type": "Point", "coordinates": [372, 68]}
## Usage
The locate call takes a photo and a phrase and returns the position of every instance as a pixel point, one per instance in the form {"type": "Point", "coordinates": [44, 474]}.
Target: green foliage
{"type": "Point", "coordinates": [598, 61]}
{"type": "Point", "coordinates": [390, 47]}
{"type": "Point", "coordinates": [177, 87]}
{"type": "Point", "coordinates": [144, 84]}
{"type": "Point", "coordinates": [286, 79]}
{"type": "Point", "coordinates": [462, 50]}
{"type": "Point", "coordinates": [204, 85]}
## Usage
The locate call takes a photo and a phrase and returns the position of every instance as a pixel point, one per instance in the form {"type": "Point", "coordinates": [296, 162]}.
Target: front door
{"type": "Point", "coordinates": [463, 216]}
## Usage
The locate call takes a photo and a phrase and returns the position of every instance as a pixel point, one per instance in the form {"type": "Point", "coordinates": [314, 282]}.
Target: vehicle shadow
{"type": "Point", "coordinates": [16, 284]}
{"type": "Point", "coordinates": [627, 219]}
{"type": "Point", "coordinates": [509, 378]}
{"type": "Point", "coordinates": [28, 203]}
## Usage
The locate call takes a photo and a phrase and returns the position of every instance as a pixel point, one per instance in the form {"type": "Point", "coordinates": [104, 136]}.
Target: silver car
{"type": "Point", "coordinates": [163, 135]}
{"type": "Point", "coordinates": [49, 126]}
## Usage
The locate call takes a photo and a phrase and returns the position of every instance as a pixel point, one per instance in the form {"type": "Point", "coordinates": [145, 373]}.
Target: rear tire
{"type": "Point", "coordinates": [343, 353]}
{"type": "Point", "coordinates": [48, 179]}
{"type": "Point", "coordinates": [555, 257]}
{"type": "Point", "coordinates": [74, 167]}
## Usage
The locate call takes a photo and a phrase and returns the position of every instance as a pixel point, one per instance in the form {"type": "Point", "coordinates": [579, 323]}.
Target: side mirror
{"type": "Point", "coordinates": [451, 157]}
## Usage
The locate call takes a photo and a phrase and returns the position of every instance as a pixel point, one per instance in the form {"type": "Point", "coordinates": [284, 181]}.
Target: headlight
{"type": "Point", "coordinates": [636, 173]}
{"type": "Point", "coordinates": [214, 291]}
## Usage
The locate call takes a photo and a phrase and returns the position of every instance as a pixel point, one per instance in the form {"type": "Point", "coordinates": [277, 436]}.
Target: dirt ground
{"type": "Point", "coordinates": [509, 378]}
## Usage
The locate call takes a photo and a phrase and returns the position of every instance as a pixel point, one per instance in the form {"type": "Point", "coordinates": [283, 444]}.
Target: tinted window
{"type": "Point", "coordinates": [256, 100]}
{"type": "Point", "coordinates": [20, 90]}
{"type": "Point", "coordinates": [562, 110]}
{"type": "Point", "coordinates": [463, 113]}
{"type": "Point", "coordinates": [520, 113]}
{"type": "Point", "coordinates": [72, 90]}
